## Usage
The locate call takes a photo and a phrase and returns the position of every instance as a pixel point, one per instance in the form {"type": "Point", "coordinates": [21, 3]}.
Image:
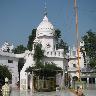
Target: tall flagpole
{"type": "Point", "coordinates": [77, 39]}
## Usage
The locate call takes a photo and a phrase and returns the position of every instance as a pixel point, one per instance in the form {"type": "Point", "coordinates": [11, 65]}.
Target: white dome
{"type": "Point", "coordinates": [45, 28]}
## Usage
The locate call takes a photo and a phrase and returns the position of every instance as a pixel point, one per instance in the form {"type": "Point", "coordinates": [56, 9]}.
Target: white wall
{"type": "Point", "coordinates": [58, 61]}
{"type": "Point", "coordinates": [13, 67]}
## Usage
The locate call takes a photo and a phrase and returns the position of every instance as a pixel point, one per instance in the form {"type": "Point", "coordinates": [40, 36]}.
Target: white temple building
{"type": "Point", "coordinates": [45, 35]}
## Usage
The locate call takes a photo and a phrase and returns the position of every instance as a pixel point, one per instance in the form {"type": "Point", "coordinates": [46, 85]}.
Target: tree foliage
{"type": "Point", "coordinates": [47, 70]}
{"type": "Point", "coordinates": [31, 39]}
{"type": "Point", "coordinates": [90, 47]}
{"type": "Point", "coordinates": [4, 72]}
{"type": "Point", "coordinates": [60, 43]}
{"type": "Point", "coordinates": [63, 45]}
{"type": "Point", "coordinates": [19, 49]}
{"type": "Point", "coordinates": [38, 55]}
{"type": "Point", "coordinates": [57, 34]}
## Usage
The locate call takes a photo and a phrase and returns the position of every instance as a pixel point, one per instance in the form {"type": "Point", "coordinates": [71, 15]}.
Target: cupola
{"type": "Point", "coordinates": [45, 28]}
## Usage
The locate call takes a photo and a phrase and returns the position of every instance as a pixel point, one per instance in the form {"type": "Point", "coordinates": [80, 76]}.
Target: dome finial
{"type": "Point", "coordinates": [45, 9]}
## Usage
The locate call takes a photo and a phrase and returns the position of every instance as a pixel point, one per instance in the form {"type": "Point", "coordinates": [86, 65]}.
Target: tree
{"type": "Point", "coordinates": [60, 43]}
{"type": "Point", "coordinates": [63, 45]}
{"type": "Point", "coordinates": [38, 55]}
{"type": "Point", "coordinates": [4, 72]}
{"type": "Point", "coordinates": [57, 34]}
{"type": "Point", "coordinates": [90, 47]}
{"type": "Point", "coordinates": [19, 49]}
{"type": "Point", "coordinates": [47, 70]}
{"type": "Point", "coordinates": [31, 39]}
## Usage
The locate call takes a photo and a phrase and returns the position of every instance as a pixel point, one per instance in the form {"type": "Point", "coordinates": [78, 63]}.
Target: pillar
{"type": "Point", "coordinates": [31, 83]}
{"type": "Point", "coordinates": [38, 84]}
{"type": "Point", "coordinates": [24, 81]}
{"type": "Point", "coordinates": [88, 80]}
{"type": "Point", "coordinates": [95, 80]}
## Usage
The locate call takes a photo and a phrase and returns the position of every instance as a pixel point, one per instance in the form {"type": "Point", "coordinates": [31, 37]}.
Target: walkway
{"type": "Point", "coordinates": [23, 93]}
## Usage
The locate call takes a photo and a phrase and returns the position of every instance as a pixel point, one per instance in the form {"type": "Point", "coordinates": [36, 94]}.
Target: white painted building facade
{"type": "Point", "coordinates": [45, 35]}
{"type": "Point", "coordinates": [10, 60]}
{"type": "Point", "coordinates": [73, 60]}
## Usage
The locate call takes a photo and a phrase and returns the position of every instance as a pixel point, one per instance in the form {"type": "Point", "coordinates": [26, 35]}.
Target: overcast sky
{"type": "Point", "coordinates": [19, 17]}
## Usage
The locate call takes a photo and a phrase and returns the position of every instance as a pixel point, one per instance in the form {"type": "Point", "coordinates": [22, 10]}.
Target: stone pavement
{"type": "Point", "coordinates": [59, 93]}
{"type": "Point", "coordinates": [90, 92]}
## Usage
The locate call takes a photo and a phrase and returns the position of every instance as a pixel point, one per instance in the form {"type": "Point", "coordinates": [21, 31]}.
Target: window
{"type": "Point", "coordinates": [74, 53]}
{"type": "Point", "coordinates": [10, 61]}
{"type": "Point", "coordinates": [55, 53]}
{"type": "Point", "coordinates": [74, 65]}
{"type": "Point", "coordinates": [47, 53]}
{"type": "Point", "coordinates": [59, 53]}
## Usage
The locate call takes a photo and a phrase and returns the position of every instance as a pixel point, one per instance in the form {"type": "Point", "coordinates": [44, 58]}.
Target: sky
{"type": "Point", "coordinates": [19, 17]}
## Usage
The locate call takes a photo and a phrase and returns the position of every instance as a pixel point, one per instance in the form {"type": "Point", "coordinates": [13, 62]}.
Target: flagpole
{"type": "Point", "coordinates": [77, 39]}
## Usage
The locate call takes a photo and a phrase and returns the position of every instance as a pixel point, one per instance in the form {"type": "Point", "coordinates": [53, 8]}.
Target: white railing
{"type": "Point", "coordinates": [54, 54]}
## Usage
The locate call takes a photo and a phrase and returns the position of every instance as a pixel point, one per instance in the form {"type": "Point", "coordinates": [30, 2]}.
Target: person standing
{"type": "Point", "coordinates": [6, 88]}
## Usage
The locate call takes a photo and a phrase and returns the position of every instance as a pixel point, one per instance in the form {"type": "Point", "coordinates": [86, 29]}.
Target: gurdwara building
{"type": "Point", "coordinates": [45, 35]}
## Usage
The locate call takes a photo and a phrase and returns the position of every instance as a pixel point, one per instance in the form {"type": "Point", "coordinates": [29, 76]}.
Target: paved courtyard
{"type": "Point", "coordinates": [90, 92]}
{"type": "Point", "coordinates": [23, 93]}
{"type": "Point", "coordinates": [61, 93]}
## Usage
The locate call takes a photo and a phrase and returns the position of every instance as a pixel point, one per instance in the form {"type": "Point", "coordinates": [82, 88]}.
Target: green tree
{"type": "Point", "coordinates": [4, 72]}
{"type": "Point", "coordinates": [19, 49]}
{"type": "Point", "coordinates": [90, 47]}
{"type": "Point", "coordinates": [38, 55]}
{"type": "Point", "coordinates": [63, 45]}
{"type": "Point", "coordinates": [57, 34]}
{"type": "Point", "coordinates": [60, 43]}
{"type": "Point", "coordinates": [31, 39]}
{"type": "Point", "coordinates": [47, 70]}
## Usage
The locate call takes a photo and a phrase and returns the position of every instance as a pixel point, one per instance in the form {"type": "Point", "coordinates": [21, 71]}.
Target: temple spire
{"type": "Point", "coordinates": [45, 8]}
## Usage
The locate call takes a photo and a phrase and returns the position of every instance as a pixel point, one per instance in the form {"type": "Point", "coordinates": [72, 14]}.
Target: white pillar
{"type": "Point", "coordinates": [31, 81]}
{"type": "Point", "coordinates": [24, 81]}
{"type": "Point", "coordinates": [88, 80]}
{"type": "Point", "coordinates": [13, 80]}
{"type": "Point", "coordinates": [95, 80]}
{"type": "Point", "coordinates": [63, 77]}
{"type": "Point", "coordinates": [32, 85]}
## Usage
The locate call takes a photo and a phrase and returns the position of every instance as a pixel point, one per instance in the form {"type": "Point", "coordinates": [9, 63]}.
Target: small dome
{"type": "Point", "coordinates": [45, 28]}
